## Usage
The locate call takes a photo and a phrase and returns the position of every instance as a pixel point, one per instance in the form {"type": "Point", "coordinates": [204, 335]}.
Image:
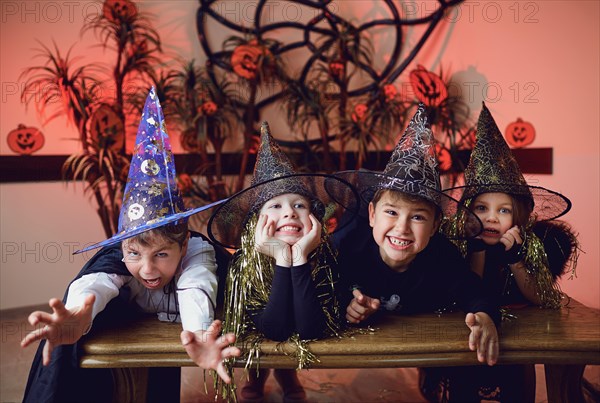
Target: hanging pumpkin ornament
{"type": "Point", "coordinates": [360, 113]}
{"type": "Point", "coordinates": [444, 158]}
{"type": "Point", "coordinates": [107, 129]}
{"type": "Point", "coordinates": [337, 69]}
{"type": "Point", "coordinates": [119, 10]}
{"type": "Point", "coordinates": [519, 133]}
{"type": "Point", "coordinates": [247, 59]}
{"type": "Point", "coordinates": [465, 139]}
{"type": "Point", "coordinates": [429, 88]}
{"type": "Point", "coordinates": [209, 108]}
{"type": "Point", "coordinates": [390, 92]}
{"type": "Point", "coordinates": [25, 140]}
{"type": "Point", "coordinates": [254, 144]}
{"type": "Point", "coordinates": [184, 183]}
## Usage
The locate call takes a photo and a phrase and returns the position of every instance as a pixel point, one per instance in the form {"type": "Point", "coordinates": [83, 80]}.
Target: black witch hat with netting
{"type": "Point", "coordinates": [411, 169]}
{"type": "Point", "coordinates": [494, 169]}
{"type": "Point", "coordinates": [274, 175]}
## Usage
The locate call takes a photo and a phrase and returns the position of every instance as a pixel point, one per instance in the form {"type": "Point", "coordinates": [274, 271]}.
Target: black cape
{"type": "Point", "coordinates": [64, 381]}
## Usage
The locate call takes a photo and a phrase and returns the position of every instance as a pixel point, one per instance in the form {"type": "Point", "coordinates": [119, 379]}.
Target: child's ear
{"type": "Point", "coordinates": [371, 214]}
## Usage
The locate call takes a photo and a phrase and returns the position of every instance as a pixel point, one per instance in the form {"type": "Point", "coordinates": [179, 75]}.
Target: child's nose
{"type": "Point", "coordinates": [147, 266]}
{"type": "Point", "coordinates": [290, 213]}
{"type": "Point", "coordinates": [491, 217]}
{"type": "Point", "coordinates": [402, 225]}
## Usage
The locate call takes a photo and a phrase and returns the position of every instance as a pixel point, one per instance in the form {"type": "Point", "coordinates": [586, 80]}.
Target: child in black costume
{"type": "Point", "coordinates": [402, 264]}
{"type": "Point", "coordinates": [280, 282]}
{"type": "Point", "coordinates": [519, 255]}
{"type": "Point", "coordinates": [158, 268]}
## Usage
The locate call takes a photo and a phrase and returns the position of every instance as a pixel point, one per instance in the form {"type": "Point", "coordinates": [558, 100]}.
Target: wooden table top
{"type": "Point", "coordinates": [570, 335]}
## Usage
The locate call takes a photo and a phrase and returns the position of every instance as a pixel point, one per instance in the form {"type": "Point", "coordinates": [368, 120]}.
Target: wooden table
{"type": "Point", "coordinates": [563, 340]}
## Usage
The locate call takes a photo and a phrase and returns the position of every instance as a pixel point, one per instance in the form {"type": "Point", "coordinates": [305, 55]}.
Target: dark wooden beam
{"type": "Point", "coordinates": [48, 167]}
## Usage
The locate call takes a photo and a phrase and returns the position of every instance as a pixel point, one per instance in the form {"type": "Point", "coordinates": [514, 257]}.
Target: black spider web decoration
{"type": "Point", "coordinates": [334, 24]}
{"type": "Point", "coordinates": [335, 75]}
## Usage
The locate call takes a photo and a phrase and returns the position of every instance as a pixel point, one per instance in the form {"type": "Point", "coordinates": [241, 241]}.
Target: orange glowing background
{"type": "Point", "coordinates": [535, 60]}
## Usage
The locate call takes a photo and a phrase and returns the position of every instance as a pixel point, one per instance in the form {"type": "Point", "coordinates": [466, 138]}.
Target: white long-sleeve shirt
{"type": "Point", "coordinates": [196, 289]}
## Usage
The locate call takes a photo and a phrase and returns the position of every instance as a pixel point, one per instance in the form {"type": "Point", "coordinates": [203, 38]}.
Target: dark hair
{"type": "Point", "coordinates": [175, 232]}
{"type": "Point", "coordinates": [396, 195]}
{"type": "Point", "coordinates": [522, 208]}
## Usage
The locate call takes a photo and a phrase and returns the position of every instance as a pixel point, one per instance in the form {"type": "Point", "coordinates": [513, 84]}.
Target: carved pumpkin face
{"type": "Point", "coordinates": [360, 113]}
{"type": "Point", "coordinates": [466, 141]}
{"type": "Point", "coordinates": [184, 183]}
{"type": "Point", "coordinates": [389, 91]}
{"type": "Point", "coordinates": [119, 10]}
{"type": "Point", "coordinates": [247, 59]}
{"type": "Point", "coordinates": [107, 129]}
{"type": "Point", "coordinates": [429, 88]}
{"type": "Point", "coordinates": [209, 108]}
{"type": "Point", "coordinates": [25, 140]}
{"type": "Point", "coordinates": [138, 48]}
{"type": "Point", "coordinates": [337, 68]}
{"type": "Point", "coordinates": [444, 158]}
{"type": "Point", "coordinates": [519, 133]}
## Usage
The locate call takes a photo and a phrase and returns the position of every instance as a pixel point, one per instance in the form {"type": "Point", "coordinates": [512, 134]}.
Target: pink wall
{"type": "Point", "coordinates": [534, 60]}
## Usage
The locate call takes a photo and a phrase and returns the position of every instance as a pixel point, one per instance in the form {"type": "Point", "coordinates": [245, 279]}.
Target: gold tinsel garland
{"type": "Point", "coordinates": [535, 260]}
{"type": "Point", "coordinates": [249, 280]}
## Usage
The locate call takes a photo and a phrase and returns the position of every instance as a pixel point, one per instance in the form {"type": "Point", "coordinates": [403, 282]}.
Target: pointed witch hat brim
{"type": "Point", "coordinates": [151, 198]}
{"type": "Point", "coordinates": [412, 170]}
{"type": "Point", "coordinates": [274, 175]}
{"type": "Point", "coordinates": [493, 168]}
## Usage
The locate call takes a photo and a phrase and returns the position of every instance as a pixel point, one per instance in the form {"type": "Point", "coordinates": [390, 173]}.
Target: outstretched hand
{"type": "Point", "coordinates": [361, 307]}
{"type": "Point", "coordinates": [62, 326]}
{"type": "Point", "coordinates": [208, 350]}
{"type": "Point", "coordinates": [483, 337]}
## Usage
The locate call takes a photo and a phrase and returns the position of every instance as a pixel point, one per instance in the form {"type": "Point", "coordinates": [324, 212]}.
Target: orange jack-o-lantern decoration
{"type": "Point", "coordinates": [519, 133]}
{"type": "Point", "coordinates": [119, 10]}
{"type": "Point", "coordinates": [25, 140]}
{"type": "Point", "coordinates": [466, 140]}
{"type": "Point", "coordinates": [209, 108]}
{"type": "Point", "coordinates": [360, 113]}
{"type": "Point", "coordinates": [429, 88]}
{"type": "Point", "coordinates": [138, 48]}
{"type": "Point", "coordinates": [443, 157]}
{"type": "Point", "coordinates": [184, 183]}
{"type": "Point", "coordinates": [107, 129]}
{"type": "Point", "coordinates": [389, 91]}
{"type": "Point", "coordinates": [337, 68]}
{"type": "Point", "coordinates": [247, 59]}
{"type": "Point", "coordinates": [254, 144]}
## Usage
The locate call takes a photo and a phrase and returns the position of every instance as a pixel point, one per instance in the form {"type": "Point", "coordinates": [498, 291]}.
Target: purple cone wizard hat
{"type": "Point", "coordinates": [274, 175]}
{"type": "Point", "coordinates": [151, 198]}
{"type": "Point", "coordinates": [411, 169]}
{"type": "Point", "coordinates": [493, 168]}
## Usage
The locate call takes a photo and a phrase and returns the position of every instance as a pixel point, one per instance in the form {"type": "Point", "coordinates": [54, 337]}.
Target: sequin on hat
{"type": "Point", "coordinates": [274, 175]}
{"type": "Point", "coordinates": [493, 168]}
{"type": "Point", "coordinates": [151, 198]}
{"type": "Point", "coordinates": [411, 169]}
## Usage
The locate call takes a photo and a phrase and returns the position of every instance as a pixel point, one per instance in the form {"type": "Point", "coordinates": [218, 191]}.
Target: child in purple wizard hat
{"type": "Point", "coordinates": [158, 268]}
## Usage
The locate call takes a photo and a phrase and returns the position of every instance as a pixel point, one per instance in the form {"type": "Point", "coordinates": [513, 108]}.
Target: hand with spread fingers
{"type": "Point", "coordinates": [483, 337]}
{"type": "Point", "coordinates": [62, 326]}
{"type": "Point", "coordinates": [208, 350]}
